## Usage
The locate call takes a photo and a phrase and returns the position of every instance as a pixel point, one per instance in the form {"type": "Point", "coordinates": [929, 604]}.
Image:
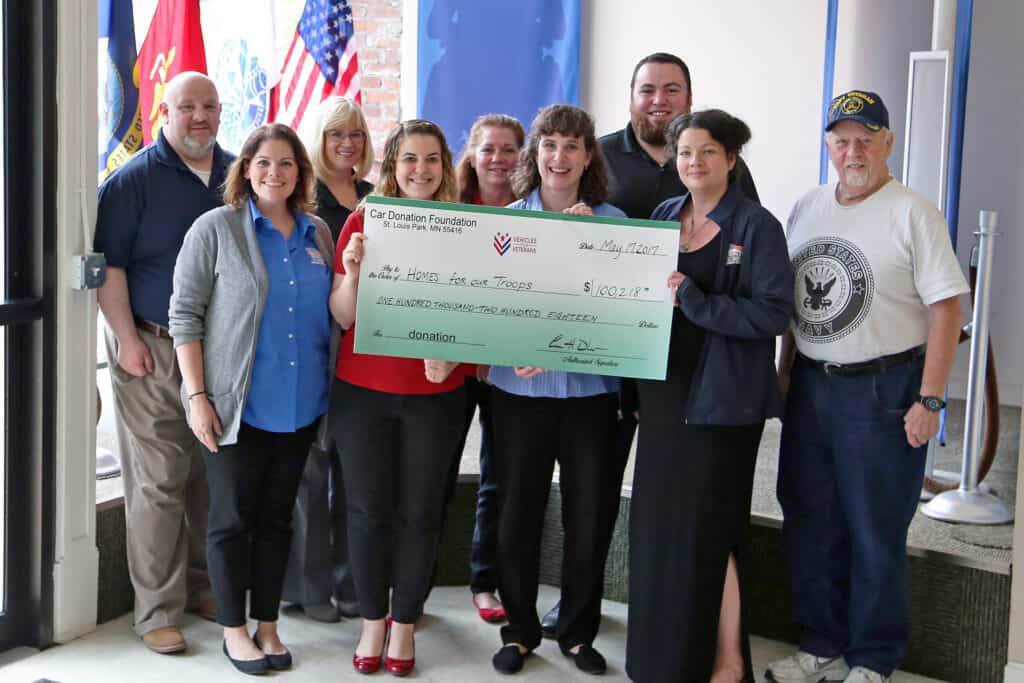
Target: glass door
{"type": "Point", "coordinates": [3, 363]}
{"type": "Point", "coordinates": [26, 269]}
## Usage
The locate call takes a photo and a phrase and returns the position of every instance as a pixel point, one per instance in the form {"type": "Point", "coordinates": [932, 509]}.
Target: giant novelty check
{"type": "Point", "coordinates": [508, 287]}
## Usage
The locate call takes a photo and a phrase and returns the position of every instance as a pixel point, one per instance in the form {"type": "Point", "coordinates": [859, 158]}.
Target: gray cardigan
{"type": "Point", "coordinates": [220, 291]}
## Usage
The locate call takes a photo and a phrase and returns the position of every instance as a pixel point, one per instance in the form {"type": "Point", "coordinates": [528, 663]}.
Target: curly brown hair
{"type": "Point", "coordinates": [237, 188]}
{"type": "Point", "coordinates": [569, 121]}
{"type": "Point", "coordinates": [465, 174]}
{"type": "Point", "coordinates": [387, 183]}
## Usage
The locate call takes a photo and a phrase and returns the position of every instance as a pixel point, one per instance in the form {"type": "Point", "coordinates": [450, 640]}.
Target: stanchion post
{"type": "Point", "coordinates": [968, 504]}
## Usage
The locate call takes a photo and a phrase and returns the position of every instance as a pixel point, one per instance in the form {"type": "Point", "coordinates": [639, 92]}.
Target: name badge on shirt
{"type": "Point", "coordinates": [315, 257]}
{"type": "Point", "coordinates": [735, 255]}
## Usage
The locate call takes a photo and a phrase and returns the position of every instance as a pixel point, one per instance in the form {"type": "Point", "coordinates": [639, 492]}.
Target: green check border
{"type": "Point", "coordinates": [501, 211]}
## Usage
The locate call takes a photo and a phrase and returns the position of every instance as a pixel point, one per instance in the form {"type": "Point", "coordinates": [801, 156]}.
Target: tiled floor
{"type": "Point", "coordinates": [453, 646]}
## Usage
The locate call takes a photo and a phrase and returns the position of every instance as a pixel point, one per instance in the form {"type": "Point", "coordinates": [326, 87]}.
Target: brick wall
{"type": "Point", "coordinates": [378, 25]}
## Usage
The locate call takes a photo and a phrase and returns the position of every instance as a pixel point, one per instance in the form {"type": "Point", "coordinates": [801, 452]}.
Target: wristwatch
{"type": "Point", "coordinates": [932, 403]}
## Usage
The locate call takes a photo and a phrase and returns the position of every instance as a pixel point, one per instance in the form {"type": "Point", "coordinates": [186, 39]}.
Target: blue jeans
{"type": "Point", "coordinates": [849, 484]}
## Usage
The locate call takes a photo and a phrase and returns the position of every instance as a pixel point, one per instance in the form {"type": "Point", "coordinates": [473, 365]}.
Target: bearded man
{"type": "Point", "coordinates": [641, 175]}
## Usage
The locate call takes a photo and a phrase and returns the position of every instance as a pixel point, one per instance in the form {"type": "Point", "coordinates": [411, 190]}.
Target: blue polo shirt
{"type": "Point", "coordinates": [291, 368]}
{"type": "Point", "coordinates": [145, 208]}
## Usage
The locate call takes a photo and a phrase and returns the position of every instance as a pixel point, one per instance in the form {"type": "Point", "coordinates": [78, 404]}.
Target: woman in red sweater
{"type": "Point", "coordinates": [397, 422]}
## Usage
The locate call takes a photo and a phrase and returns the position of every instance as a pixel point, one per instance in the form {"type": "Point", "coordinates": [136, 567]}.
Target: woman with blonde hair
{"type": "Point", "coordinates": [397, 422]}
{"type": "Point", "coordinates": [341, 152]}
{"type": "Point", "coordinates": [251, 330]}
{"type": "Point", "coordinates": [319, 578]}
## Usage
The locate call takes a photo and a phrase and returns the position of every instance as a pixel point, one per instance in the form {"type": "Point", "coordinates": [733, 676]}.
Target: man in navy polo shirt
{"type": "Point", "coordinates": [145, 209]}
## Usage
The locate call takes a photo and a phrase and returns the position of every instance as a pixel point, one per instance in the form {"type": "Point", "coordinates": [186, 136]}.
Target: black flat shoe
{"type": "Point", "coordinates": [348, 608]}
{"type": "Point", "coordinates": [253, 667]}
{"type": "Point", "coordinates": [588, 660]}
{"type": "Point", "coordinates": [281, 662]}
{"type": "Point", "coordinates": [325, 612]}
{"type": "Point", "coordinates": [509, 660]}
{"type": "Point", "coordinates": [550, 621]}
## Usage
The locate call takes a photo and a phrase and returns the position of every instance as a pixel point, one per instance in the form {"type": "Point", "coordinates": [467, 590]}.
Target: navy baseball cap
{"type": "Point", "coordinates": [860, 106]}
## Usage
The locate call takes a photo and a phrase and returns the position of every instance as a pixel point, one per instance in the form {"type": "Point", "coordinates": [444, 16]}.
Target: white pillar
{"type": "Point", "coordinates": [944, 25]}
{"type": "Point", "coordinates": [76, 559]}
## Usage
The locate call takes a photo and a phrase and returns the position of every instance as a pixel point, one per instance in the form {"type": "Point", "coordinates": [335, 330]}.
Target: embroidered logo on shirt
{"type": "Point", "coordinates": [315, 257]}
{"type": "Point", "coordinates": [735, 255]}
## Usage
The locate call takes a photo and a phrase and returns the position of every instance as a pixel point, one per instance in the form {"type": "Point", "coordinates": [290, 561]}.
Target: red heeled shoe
{"type": "Point", "coordinates": [492, 615]}
{"type": "Point", "coordinates": [367, 665]}
{"type": "Point", "coordinates": [401, 667]}
{"type": "Point", "coordinates": [371, 664]}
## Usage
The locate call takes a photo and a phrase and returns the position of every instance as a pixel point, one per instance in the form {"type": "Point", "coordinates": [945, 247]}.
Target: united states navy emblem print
{"type": "Point", "coordinates": [834, 288]}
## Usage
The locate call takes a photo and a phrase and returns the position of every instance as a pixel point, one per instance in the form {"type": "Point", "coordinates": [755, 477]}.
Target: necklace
{"type": "Point", "coordinates": [691, 234]}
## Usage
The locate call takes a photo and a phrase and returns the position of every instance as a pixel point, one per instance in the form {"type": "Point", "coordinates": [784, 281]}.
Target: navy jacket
{"type": "Point", "coordinates": [750, 304]}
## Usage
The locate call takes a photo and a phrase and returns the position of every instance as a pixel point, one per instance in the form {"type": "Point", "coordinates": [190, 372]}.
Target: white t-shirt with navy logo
{"type": "Point", "coordinates": [866, 274]}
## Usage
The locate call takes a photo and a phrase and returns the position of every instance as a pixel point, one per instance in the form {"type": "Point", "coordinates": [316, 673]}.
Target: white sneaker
{"type": "Point", "coordinates": [861, 675]}
{"type": "Point", "coordinates": [803, 667]}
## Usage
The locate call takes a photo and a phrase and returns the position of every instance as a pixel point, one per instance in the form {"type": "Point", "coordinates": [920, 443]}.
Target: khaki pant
{"type": "Point", "coordinates": [165, 494]}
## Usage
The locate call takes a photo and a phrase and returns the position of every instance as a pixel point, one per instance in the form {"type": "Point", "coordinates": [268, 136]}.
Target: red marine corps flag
{"type": "Point", "coordinates": [321, 62]}
{"type": "Point", "coordinates": [174, 44]}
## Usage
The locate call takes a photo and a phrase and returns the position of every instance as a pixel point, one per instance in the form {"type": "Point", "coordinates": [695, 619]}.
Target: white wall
{"type": "Point", "coordinates": [993, 178]}
{"type": "Point", "coordinates": [874, 39]}
{"type": "Point", "coordinates": [761, 61]}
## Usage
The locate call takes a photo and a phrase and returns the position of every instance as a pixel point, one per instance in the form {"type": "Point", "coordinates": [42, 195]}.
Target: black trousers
{"type": "Point", "coordinates": [530, 435]}
{"type": "Point", "coordinates": [252, 486]}
{"type": "Point", "coordinates": [396, 451]}
{"type": "Point", "coordinates": [612, 477]}
{"type": "Point", "coordinates": [318, 563]}
{"type": "Point", "coordinates": [483, 560]}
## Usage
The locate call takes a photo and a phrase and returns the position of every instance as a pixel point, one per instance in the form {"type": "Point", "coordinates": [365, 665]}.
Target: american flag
{"type": "Point", "coordinates": [321, 62]}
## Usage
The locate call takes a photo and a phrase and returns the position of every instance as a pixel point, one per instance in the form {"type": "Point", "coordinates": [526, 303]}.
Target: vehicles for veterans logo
{"type": "Point", "coordinates": [502, 243]}
{"type": "Point", "coordinates": [834, 288]}
{"type": "Point", "coordinates": [517, 244]}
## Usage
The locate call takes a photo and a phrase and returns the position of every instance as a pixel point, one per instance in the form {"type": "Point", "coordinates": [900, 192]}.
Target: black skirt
{"type": "Point", "coordinates": [690, 509]}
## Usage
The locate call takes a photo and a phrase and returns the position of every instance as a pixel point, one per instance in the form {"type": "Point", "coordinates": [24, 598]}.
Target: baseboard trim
{"type": "Point", "coordinates": [1014, 672]}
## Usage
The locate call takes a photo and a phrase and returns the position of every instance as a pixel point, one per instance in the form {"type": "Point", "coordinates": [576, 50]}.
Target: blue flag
{"type": "Point", "coordinates": [495, 56]}
{"type": "Point", "coordinates": [120, 128]}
